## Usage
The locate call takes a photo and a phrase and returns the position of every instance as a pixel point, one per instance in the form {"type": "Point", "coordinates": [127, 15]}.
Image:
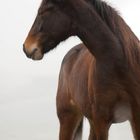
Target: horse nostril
{"type": "Point", "coordinates": [28, 54]}
{"type": "Point", "coordinates": [34, 50]}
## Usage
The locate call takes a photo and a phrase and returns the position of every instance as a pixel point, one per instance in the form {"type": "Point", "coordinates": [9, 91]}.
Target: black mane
{"type": "Point", "coordinates": [103, 8]}
{"type": "Point", "coordinates": [106, 12]}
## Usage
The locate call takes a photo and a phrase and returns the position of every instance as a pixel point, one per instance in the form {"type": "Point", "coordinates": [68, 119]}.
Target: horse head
{"type": "Point", "coordinates": [51, 26]}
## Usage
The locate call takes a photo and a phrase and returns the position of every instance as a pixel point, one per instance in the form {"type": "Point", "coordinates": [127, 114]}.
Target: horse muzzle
{"type": "Point", "coordinates": [33, 52]}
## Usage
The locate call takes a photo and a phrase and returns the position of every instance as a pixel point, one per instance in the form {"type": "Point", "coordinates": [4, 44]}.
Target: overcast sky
{"type": "Point", "coordinates": [18, 73]}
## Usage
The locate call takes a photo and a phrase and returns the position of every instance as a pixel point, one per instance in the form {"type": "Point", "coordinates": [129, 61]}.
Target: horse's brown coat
{"type": "Point", "coordinates": [102, 82]}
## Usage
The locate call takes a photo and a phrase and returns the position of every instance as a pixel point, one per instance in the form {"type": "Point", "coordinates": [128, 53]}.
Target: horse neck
{"type": "Point", "coordinates": [95, 34]}
{"type": "Point", "coordinates": [120, 29]}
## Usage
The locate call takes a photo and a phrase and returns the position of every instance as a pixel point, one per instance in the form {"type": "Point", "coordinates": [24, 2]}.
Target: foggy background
{"type": "Point", "coordinates": [28, 88]}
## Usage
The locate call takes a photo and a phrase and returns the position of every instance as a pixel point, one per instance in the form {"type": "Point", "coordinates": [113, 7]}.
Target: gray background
{"type": "Point", "coordinates": [28, 88]}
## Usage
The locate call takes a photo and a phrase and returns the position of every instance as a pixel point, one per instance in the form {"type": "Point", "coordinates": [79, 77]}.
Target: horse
{"type": "Point", "coordinates": [100, 79]}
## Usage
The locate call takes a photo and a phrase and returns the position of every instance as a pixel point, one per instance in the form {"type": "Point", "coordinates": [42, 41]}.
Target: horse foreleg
{"type": "Point", "coordinates": [135, 123]}
{"type": "Point", "coordinates": [101, 125]}
{"type": "Point", "coordinates": [68, 126]}
{"type": "Point", "coordinates": [69, 116]}
{"type": "Point", "coordinates": [92, 135]}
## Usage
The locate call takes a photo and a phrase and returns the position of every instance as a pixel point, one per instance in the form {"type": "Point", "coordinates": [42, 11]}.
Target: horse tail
{"type": "Point", "coordinates": [79, 131]}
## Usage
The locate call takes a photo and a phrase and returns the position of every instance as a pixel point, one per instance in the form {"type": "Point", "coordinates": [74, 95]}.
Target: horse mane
{"type": "Point", "coordinates": [120, 29]}
{"type": "Point", "coordinates": [106, 12]}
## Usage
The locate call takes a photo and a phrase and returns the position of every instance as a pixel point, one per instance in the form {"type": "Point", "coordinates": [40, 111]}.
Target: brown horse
{"type": "Point", "coordinates": [102, 82]}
